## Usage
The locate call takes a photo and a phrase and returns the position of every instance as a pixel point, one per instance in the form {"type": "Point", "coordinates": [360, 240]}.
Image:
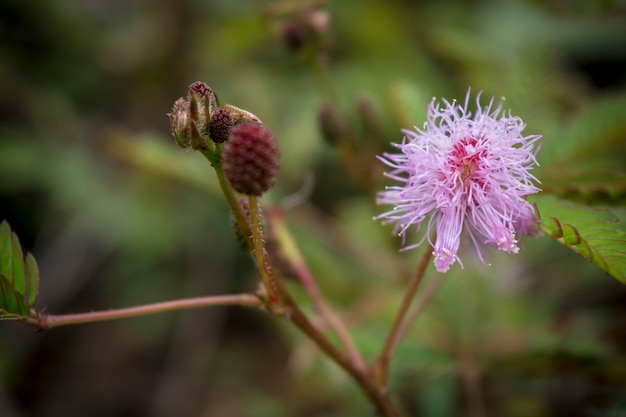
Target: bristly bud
{"type": "Point", "coordinates": [191, 119]}
{"type": "Point", "coordinates": [202, 103]}
{"type": "Point", "coordinates": [251, 159]}
{"type": "Point", "coordinates": [179, 122]}
{"type": "Point", "coordinates": [333, 124]}
{"type": "Point", "coordinates": [221, 122]}
{"type": "Point", "coordinates": [206, 96]}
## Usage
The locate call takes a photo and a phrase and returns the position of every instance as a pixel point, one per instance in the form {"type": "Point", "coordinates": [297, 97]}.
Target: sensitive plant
{"type": "Point", "coordinates": [461, 180]}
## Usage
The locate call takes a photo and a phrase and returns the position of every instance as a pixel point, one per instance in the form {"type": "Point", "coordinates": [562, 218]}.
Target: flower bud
{"type": "Point", "coordinates": [251, 159]}
{"type": "Point", "coordinates": [206, 101]}
{"type": "Point", "coordinates": [221, 122]}
{"type": "Point", "coordinates": [202, 103]}
{"type": "Point", "coordinates": [179, 121]}
{"type": "Point", "coordinates": [308, 29]}
{"type": "Point", "coordinates": [296, 34]}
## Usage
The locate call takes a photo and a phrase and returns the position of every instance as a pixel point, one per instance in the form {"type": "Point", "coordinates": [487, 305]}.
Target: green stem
{"type": "Point", "coordinates": [381, 366]}
{"type": "Point", "coordinates": [229, 193]}
{"type": "Point", "coordinates": [266, 271]}
{"type": "Point", "coordinates": [45, 322]}
{"type": "Point", "coordinates": [422, 301]}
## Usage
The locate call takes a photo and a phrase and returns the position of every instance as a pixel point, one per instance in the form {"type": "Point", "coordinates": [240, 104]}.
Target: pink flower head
{"type": "Point", "coordinates": [463, 172]}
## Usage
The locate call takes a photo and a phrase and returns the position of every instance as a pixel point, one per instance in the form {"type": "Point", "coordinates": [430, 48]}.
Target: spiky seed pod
{"type": "Point", "coordinates": [251, 159]}
{"type": "Point", "coordinates": [221, 122]}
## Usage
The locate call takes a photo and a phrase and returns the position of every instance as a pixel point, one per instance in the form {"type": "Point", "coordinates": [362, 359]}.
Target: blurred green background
{"type": "Point", "coordinates": [117, 215]}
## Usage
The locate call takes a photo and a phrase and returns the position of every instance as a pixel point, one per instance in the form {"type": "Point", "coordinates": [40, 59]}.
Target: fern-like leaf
{"type": "Point", "coordinates": [596, 234]}
{"type": "Point", "coordinates": [19, 277]}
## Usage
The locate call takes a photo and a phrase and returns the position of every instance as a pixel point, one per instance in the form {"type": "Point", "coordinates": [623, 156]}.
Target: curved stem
{"type": "Point", "coordinates": [45, 322]}
{"type": "Point", "coordinates": [381, 366]}
{"type": "Point", "coordinates": [377, 395]}
{"type": "Point", "coordinates": [294, 257]}
{"type": "Point", "coordinates": [290, 309]}
{"type": "Point", "coordinates": [423, 300]}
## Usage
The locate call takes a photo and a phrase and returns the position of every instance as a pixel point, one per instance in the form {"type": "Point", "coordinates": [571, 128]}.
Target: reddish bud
{"type": "Point", "coordinates": [251, 158]}
{"type": "Point", "coordinates": [221, 122]}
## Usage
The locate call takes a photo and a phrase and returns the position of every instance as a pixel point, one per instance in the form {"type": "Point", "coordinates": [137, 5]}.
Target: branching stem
{"type": "Point", "coordinates": [381, 366]}
{"type": "Point", "coordinates": [45, 322]}
{"type": "Point", "coordinates": [292, 254]}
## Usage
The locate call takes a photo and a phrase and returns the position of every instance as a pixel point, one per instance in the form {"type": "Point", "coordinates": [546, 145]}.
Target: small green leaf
{"type": "Point", "coordinates": [596, 234]}
{"type": "Point", "coordinates": [6, 250]}
{"type": "Point", "coordinates": [12, 305]}
{"type": "Point", "coordinates": [32, 280]}
{"type": "Point", "coordinates": [17, 266]}
{"type": "Point", "coordinates": [19, 286]}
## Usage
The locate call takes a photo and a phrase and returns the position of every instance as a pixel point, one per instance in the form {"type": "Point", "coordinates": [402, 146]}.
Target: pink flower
{"type": "Point", "coordinates": [462, 172]}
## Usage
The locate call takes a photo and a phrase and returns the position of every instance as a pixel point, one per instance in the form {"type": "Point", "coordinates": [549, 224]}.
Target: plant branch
{"type": "Point", "coordinates": [378, 396]}
{"type": "Point", "coordinates": [258, 250]}
{"type": "Point", "coordinates": [229, 194]}
{"type": "Point", "coordinates": [307, 280]}
{"type": "Point", "coordinates": [45, 322]}
{"type": "Point", "coordinates": [381, 366]}
{"type": "Point", "coordinates": [422, 301]}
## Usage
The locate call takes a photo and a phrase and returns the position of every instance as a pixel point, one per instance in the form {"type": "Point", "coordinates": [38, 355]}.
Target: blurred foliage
{"type": "Point", "coordinates": [116, 215]}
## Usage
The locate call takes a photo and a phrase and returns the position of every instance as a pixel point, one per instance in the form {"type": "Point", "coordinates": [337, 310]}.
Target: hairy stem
{"type": "Point", "coordinates": [45, 322]}
{"type": "Point", "coordinates": [265, 269]}
{"type": "Point", "coordinates": [381, 366]}
{"type": "Point", "coordinates": [229, 194]}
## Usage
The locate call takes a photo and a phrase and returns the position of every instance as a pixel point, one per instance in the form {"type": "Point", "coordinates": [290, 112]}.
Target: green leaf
{"type": "Point", "coordinates": [17, 267]}
{"type": "Point", "coordinates": [32, 280]}
{"type": "Point", "coordinates": [12, 304]}
{"type": "Point", "coordinates": [19, 276]}
{"type": "Point", "coordinates": [599, 235]}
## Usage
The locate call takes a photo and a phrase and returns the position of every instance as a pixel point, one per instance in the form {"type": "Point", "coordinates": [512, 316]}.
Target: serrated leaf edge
{"type": "Point", "coordinates": [595, 256]}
